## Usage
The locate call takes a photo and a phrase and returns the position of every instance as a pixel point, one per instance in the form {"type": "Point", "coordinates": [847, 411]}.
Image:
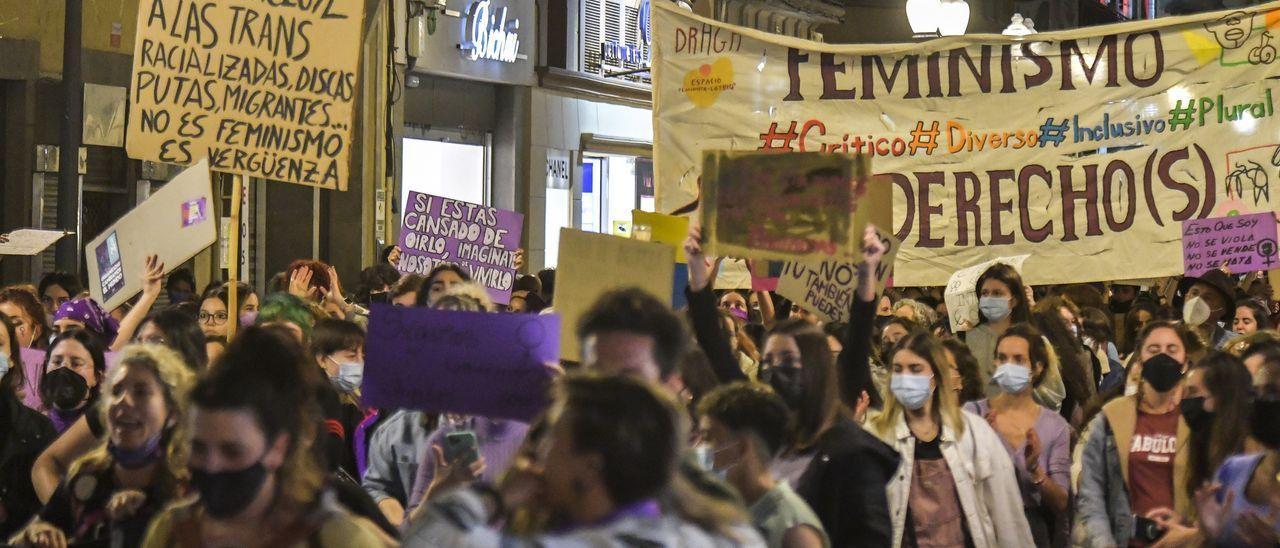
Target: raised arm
{"type": "Point", "coordinates": [702, 310]}
{"type": "Point", "coordinates": [854, 360]}
{"type": "Point", "coordinates": [152, 279]}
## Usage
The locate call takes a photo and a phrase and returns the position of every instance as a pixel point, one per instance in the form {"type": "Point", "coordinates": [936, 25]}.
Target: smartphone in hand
{"type": "Point", "coordinates": [461, 446]}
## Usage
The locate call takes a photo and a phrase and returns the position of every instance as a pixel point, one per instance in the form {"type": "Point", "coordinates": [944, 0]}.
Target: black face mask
{"type": "Point", "coordinates": [380, 298]}
{"type": "Point", "coordinates": [786, 381]}
{"type": "Point", "coordinates": [64, 389]}
{"type": "Point", "coordinates": [1194, 413]}
{"type": "Point", "coordinates": [227, 493]}
{"type": "Point", "coordinates": [1162, 372]}
{"type": "Point", "coordinates": [882, 321]}
{"type": "Point", "coordinates": [1264, 420]}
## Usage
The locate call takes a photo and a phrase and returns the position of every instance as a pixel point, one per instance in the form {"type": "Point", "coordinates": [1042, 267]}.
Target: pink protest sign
{"type": "Point", "coordinates": [1240, 244]}
{"type": "Point", "coordinates": [482, 240]}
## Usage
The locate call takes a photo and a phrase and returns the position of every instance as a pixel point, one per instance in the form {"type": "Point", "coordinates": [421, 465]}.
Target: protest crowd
{"type": "Point", "coordinates": [1098, 414]}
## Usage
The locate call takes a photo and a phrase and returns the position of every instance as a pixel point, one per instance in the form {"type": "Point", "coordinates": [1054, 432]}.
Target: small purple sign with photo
{"type": "Point", "coordinates": [1239, 244]}
{"type": "Point", "coordinates": [482, 240]}
{"type": "Point", "coordinates": [194, 211]}
{"type": "Point", "coordinates": [110, 270]}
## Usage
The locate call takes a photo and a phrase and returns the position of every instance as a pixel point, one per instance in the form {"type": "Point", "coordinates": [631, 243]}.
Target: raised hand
{"type": "Point", "coordinates": [300, 284]}
{"type": "Point", "coordinates": [700, 266]}
{"type": "Point", "coordinates": [152, 277]}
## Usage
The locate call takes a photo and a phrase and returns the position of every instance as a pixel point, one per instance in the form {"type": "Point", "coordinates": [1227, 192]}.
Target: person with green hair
{"type": "Point", "coordinates": [290, 312]}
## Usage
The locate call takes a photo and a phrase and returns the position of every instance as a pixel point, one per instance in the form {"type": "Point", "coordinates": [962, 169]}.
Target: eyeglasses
{"type": "Point", "coordinates": [152, 340]}
{"type": "Point", "coordinates": [218, 318]}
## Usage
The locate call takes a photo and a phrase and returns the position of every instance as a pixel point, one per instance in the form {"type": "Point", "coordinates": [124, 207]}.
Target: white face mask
{"type": "Point", "coordinates": [1195, 311]}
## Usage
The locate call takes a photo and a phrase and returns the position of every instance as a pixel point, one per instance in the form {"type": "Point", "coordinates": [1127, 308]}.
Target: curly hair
{"type": "Point", "coordinates": [175, 379]}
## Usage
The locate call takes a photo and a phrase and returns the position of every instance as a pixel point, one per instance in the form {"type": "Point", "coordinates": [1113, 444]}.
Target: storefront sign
{"type": "Point", "coordinates": [557, 169]}
{"type": "Point", "coordinates": [489, 34]}
{"type": "Point", "coordinates": [616, 51]}
{"type": "Point", "coordinates": [1086, 149]}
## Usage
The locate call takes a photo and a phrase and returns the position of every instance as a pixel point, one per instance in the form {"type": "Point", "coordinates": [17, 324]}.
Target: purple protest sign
{"type": "Point", "coordinates": [1243, 243]}
{"type": "Point", "coordinates": [483, 240]}
{"type": "Point", "coordinates": [476, 363]}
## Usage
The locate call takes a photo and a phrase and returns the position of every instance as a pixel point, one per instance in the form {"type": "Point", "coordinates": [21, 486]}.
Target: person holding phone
{"type": "Point", "coordinates": [463, 450]}
{"type": "Point", "coordinates": [1135, 451]}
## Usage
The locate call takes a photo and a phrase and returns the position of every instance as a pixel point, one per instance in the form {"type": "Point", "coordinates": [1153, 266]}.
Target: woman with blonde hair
{"type": "Point", "coordinates": [956, 485]}
{"type": "Point", "coordinates": [112, 492]}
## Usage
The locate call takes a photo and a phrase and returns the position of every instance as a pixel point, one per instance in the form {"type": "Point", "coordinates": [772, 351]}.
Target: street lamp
{"type": "Point", "coordinates": [937, 17]}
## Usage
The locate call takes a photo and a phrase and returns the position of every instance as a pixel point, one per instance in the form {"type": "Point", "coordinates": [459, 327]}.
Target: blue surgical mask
{"type": "Point", "coordinates": [349, 376]}
{"type": "Point", "coordinates": [1012, 378]}
{"type": "Point", "coordinates": [4, 364]}
{"type": "Point", "coordinates": [994, 308]}
{"type": "Point", "coordinates": [912, 390]}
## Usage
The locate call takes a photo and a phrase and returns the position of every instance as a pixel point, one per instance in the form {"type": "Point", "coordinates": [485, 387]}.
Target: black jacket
{"type": "Point", "coordinates": [845, 482]}
{"type": "Point", "coordinates": [845, 485]}
{"type": "Point", "coordinates": [24, 434]}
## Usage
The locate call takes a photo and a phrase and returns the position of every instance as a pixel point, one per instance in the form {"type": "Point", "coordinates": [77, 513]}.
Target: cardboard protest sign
{"type": "Point", "coordinates": [1241, 244]}
{"type": "Point", "coordinates": [667, 229]}
{"type": "Point", "coordinates": [592, 264]}
{"type": "Point", "coordinates": [176, 223]}
{"type": "Point", "coordinates": [961, 294]}
{"type": "Point", "coordinates": [733, 274]}
{"type": "Point", "coordinates": [764, 275]}
{"type": "Point", "coordinates": [476, 363]}
{"type": "Point", "coordinates": [787, 206]}
{"type": "Point", "coordinates": [263, 89]}
{"type": "Point", "coordinates": [991, 143]}
{"type": "Point", "coordinates": [30, 241]}
{"type": "Point", "coordinates": [826, 288]}
{"type": "Point", "coordinates": [483, 240]}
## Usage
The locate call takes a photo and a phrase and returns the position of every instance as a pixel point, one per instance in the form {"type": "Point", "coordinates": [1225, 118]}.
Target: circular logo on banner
{"type": "Point", "coordinates": [646, 32]}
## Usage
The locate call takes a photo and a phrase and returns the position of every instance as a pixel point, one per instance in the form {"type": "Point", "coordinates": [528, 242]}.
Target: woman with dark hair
{"type": "Point", "coordinates": [965, 379]}
{"type": "Point", "coordinates": [1250, 317]}
{"type": "Point", "coordinates": [1134, 456]}
{"type": "Point", "coordinates": [1099, 339]}
{"type": "Point", "coordinates": [894, 330]}
{"type": "Point", "coordinates": [257, 481]}
{"type": "Point", "coordinates": [1037, 439]}
{"type": "Point", "coordinates": [836, 466]}
{"type": "Point", "coordinates": [375, 284]}
{"type": "Point", "coordinates": [1067, 385]}
{"type": "Point", "coordinates": [1002, 302]}
{"type": "Point", "coordinates": [28, 317]}
{"type": "Point", "coordinates": [56, 288]}
{"type": "Point", "coordinates": [214, 314]}
{"type": "Point", "coordinates": [405, 293]}
{"type": "Point", "coordinates": [956, 485]}
{"type": "Point", "coordinates": [439, 280]}
{"type": "Point", "coordinates": [24, 432]}
{"type": "Point", "coordinates": [71, 376]}
{"type": "Point", "coordinates": [179, 331]}
{"type": "Point", "coordinates": [607, 467]}
{"type": "Point", "coordinates": [109, 495]}
{"type": "Point", "coordinates": [1142, 312]}
{"type": "Point", "coordinates": [1215, 406]}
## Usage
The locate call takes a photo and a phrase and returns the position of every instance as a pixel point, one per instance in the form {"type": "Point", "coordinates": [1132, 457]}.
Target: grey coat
{"type": "Point", "coordinates": [1103, 516]}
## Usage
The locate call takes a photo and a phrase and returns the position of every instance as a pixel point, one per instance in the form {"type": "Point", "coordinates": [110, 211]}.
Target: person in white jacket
{"type": "Point", "coordinates": [956, 485]}
{"type": "Point", "coordinates": [604, 474]}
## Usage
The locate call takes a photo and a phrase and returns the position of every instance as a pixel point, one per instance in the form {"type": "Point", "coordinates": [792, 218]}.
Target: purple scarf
{"type": "Point", "coordinates": [86, 310]}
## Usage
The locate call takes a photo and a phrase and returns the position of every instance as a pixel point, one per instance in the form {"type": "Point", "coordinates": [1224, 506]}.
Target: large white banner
{"type": "Point", "coordinates": [1085, 149]}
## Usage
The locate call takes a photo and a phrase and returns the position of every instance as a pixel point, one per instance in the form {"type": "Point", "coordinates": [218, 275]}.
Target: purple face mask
{"type": "Point", "coordinates": [738, 313]}
{"type": "Point", "coordinates": [248, 318]}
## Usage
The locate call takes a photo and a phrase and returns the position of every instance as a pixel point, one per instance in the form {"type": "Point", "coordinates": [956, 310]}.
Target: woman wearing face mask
{"type": "Point", "coordinates": [1038, 440]}
{"type": "Point", "coordinates": [1215, 405]}
{"type": "Point", "coordinates": [24, 432]}
{"type": "Point", "coordinates": [956, 485]}
{"type": "Point", "coordinates": [28, 317]}
{"type": "Point", "coordinates": [172, 328]}
{"type": "Point", "coordinates": [1002, 302]}
{"type": "Point", "coordinates": [1207, 304]}
{"type": "Point", "coordinates": [1241, 507]}
{"type": "Point", "coordinates": [338, 348]}
{"type": "Point", "coordinates": [835, 465]}
{"type": "Point", "coordinates": [70, 378]}
{"type": "Point", "coordinates": [214, 315]}
{"type": "Point", "coordinates": [1134, 458]}
{"type": "Point", "coordinates": [257, 481]}
{"type": "Point", "coordinates": [111, 494]}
